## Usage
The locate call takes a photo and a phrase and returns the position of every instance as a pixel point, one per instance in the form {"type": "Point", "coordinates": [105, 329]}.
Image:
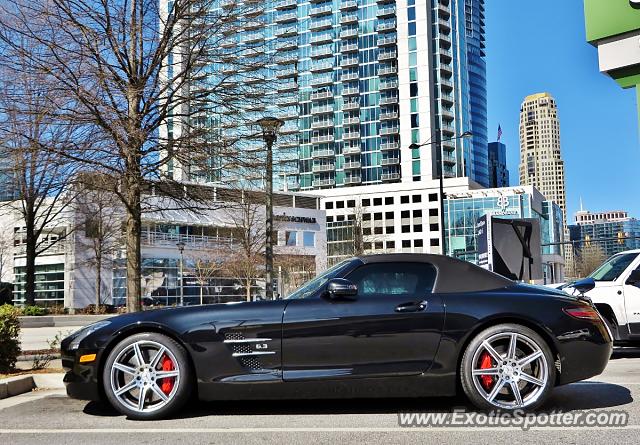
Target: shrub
{"type": "Point", "coordinates": [34, 310]}
{"type": "Point", "coordinates": [9, 342]}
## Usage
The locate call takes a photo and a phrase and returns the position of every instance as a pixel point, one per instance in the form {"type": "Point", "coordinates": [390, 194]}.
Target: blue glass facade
{"type": "Point", "coordinates": [498, 172]}
{"type": "Point", "coordinates": [606, 235]}
{"type": "Point", "coordinates": [474, 19]}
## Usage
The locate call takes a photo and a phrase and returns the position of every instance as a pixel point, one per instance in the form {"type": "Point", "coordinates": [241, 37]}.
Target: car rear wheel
{"type": "Point", "coordinates": [147, 376]}
{"type": "Point", "coordinates": [507, 367]}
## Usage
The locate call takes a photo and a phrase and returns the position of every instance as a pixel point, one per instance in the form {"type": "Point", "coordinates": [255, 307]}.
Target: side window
{"type": "Point", "coordinates": [394, 279]}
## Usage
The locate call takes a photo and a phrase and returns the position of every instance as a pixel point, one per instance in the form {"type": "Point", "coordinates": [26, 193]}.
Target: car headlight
{"type": "Point", "coordinates": [83, 333]}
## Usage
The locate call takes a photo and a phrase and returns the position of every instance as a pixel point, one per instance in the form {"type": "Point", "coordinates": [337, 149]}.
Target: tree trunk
{"type": "Point", "coordinates": [248, 286]}
{"type": "Point", "coordinates": [98, 281]}
{"type": "Point", "coordinates": [133, 233]}
{"type": "Point", "coordinates": [30, 266]}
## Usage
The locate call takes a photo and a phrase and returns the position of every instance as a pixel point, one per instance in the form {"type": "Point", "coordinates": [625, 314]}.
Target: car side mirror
{"type": "Point", "coordinates": [585, 285]}
{"type": "Point", "coordinates": [341, 288]}
{"type": "Point", "coordinates": [634, 278]}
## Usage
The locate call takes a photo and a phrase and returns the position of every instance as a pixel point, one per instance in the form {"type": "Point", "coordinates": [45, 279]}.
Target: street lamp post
{"type": "Point", "coordinates": [270, 127]}
{"type": "Point", "coordinates": [181, 246]}
{"type": "Point", "coordinates": [440, 161]}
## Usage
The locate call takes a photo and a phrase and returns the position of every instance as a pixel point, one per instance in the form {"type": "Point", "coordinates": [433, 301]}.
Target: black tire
{"type": "Point", "coordinates": [508, 373]}
{"type": "Point", "coordinates": [181, 389]}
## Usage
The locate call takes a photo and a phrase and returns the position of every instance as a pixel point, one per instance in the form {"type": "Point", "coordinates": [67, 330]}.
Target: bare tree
{"type": "Point", "coordinates": [207, 265]}
{"type": "Point", "coordinates": [145, 74]}
{"type": "Point", "coordinates": [294, 270]}
{"type": "Point", "coordinates": [246, 261]}
{"type": "Point", "coordinates": [99, 220]}
{"type": "Point", "coordinates": [6, 252]}
{"type": "Point", "coordinates": [588, 258]}
{"type": "Point", "coordinates": [30, 134]}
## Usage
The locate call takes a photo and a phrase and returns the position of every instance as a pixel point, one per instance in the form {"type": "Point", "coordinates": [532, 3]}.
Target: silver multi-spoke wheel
{"type": "Point", "coordinates": [509, 370]}
{"type": "Point", "coordinates": [145, 376]}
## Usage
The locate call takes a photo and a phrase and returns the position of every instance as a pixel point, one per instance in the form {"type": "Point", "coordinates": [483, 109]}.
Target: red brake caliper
{"type": "Point", "coordinates": [167, 383]}
{"type": "Point", "coordinates": [486, 363]}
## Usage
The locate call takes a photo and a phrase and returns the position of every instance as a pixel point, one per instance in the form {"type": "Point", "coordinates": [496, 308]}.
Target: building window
{"type": "Point", "coordinates": [377, 216]}
{"type": "Point", "coordinates": [328, 205]}
{"type": "Point", "coordinates": [377, 230]}
{"type": "Point", "coordinates": [379, 245]}
{"type": "Point", "coordinates": [291, 238]}
{"type": "Point", "coordinates": [308, 239]}
{"type": "Point", "coordinates": [434, 242]}
{"type": "Point", "coordinates": [388, 215]}
{"type": "Point", "coordinates": [388, 200]}
{"type": "Point", "coordinates": [366, 202]}
{"type": "Point", "coordinates": [406, 244]}
{"type": "Point", "coordinates": [417, 243]}
{"type": "Point", "coordinates": [433, 212]}
{"type": "Point", "coordinates": [417, 213]}
{"type": "Point", "coordinates": [366, 231]}
{"type": "Point", "coordinates": [404, 199]}
{"type": "Point", "coordinates": [351, 203]}
{"type": "Point", "coordinates": [366, 216]}
{"type": "Point", "coordinates": [405, 214]}
{"type": "Point", "coordinates": [406, 229]}
{"type": "Point", "coordinates": [417, 198]}
{"type": "Point", "coordinates": [391, 244]}
{"type": "Point", "coordinates": [339, 204]}
{"type": "Point", "coordinates": [377, 201]}
{"type": "Point", "coordinates": [433, 197]}
{"type": "Point", "coordinates": [417, 227]}
{"type": "Point", "coordinates": [434, 227]}
{"type": "Point", "coordinates": [391, 229]}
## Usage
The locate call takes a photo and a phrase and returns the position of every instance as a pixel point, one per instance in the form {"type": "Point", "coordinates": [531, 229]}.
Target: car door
{"type": "Point", "coordinates": [391, 328]}
{"type": "Point", "coordinates": [631, 292]}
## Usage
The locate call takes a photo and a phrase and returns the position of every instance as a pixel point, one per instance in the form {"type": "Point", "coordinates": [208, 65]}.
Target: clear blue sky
{"type": "Point", "coordinates": [535, 46]}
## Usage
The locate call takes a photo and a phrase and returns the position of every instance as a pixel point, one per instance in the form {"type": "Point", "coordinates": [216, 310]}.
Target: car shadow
{"type": "Point", "coordinates": [577, 396]}
{"type": "Point", "coordinates": [625, 352]}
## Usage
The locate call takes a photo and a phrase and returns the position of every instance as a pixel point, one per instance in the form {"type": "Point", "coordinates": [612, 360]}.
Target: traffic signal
{"type": "Point", "coordinates": [587, 240]}
{"type": "Point", "coordinates": [621, 237]}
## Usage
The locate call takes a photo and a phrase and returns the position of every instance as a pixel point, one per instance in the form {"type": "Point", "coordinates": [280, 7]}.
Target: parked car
{"type": "Point", "coordinates": [616, 295]}
{"type": "Point", "coordinates": [408, 325]}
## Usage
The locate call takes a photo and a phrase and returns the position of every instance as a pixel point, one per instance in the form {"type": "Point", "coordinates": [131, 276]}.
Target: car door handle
{"type": "Point", "coordinates": [412, 306]}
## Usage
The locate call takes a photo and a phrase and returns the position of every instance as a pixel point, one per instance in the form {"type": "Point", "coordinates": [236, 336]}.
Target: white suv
{"type": "Point", "coordinates": [616, 295]}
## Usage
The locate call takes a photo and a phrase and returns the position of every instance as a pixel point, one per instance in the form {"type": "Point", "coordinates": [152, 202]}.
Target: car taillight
{"type": "Point", "coordinates": [583, 313]}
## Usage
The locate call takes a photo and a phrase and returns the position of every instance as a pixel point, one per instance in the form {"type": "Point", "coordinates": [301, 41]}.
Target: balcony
{"type": "Point", "coordinates": [386, 11]}
{"type": "Point", "coordinates": [289, 129]}
{"type": "Point", "coordinates": [446, 84]}
{"type": "Point", "coordinates": [352, 180]}
{"type": "Point", "coordinates": [388, 100]}
{"type": "Point", "coordinates": [350, 32]}
{"type": "Point", "coordinates": [349, 47]}
{"type": "Point", "coordinates": [287, 100]}
{"type": "Point", "coordinates": [390, 161]}
{"type": "Point", "coordinates": [351, 150]}
{"type": "Point", "coordinates": [285, 4]}
{"type": "Point", "coordinates": [388, 116]}
{"type": "Point", "coordinates": [349, 61]}
{"type": "Point", "coordinates": [445, 69]}
{"type": "Point", "coordinates": [449, 130]}
{"type": "Point", "coordinates": [317, 95]}
{"type": "Point", "coordinates": [349, 5]}
{"type": "Point", "coordinates": [288, 86]}
{"type": "Point", "coordinates": [350, 91]}
{"type": "Point", "coordinates": [348, 18]}
{"type": "Point", "coordinates": [320, 24]}
{"type": "Point", "coordinates": [386, 55]}
{"type": "Point", "coordinates": [447, 113]}
{"type": "Point", "coordinates": [318, 168]}
{"type": "Point", "coordinates": [389, 130]}
{"type": "Point", "coordinates": [283, 74]}
{"type": "Point", "coordinates": [389, 146]}
{"type": "Point", "coordinates": [351, 121]}
{"type": "Point", "coordinates": [444, 25]}
{"type": "Point", "coordinates": [394, 176]}
{"type": "Point", "coordinates": [384, 2]}
{"type": "Point", "coordinates": [320, 10]}
{"type": "Point", "coordinates": [389, 85]}
{"type": "Point", "coordinates": [321, 81]}
{"type": "Point", "coordinates": [448, 159]}
{"type": "Point", "coordinates": [443, 10]}
{"type": "Point", "coordinates": [387, 70]}
{"type": "Point", "coordinates": [386, 41]}
{"type": "Point", "coordinates": [351, 105]}
{"type": "Point", "coordinates": [253, 38]}
{"type": "Point", "coordinates": [321, 38]}
{"type": "Point", "coordinates": [351, 136]}
{"type": "Point", "coordinates": [287, 17]}
{"type": "Point", "coordinates": [352, 165]}
{"type": "Point", "coordinates": [286, 58]}
{"type": "Point", "coordinates": [386, 26]}
{"type": "Point", "coordinates": [325, 123]}
{"type": "Point", "coordinates": [345, 77]}
{"type": "Point", "coordinates": [321, 52]}
{"type": "Point", "coordinates": [447, 98]}
{"type": "Point", "coordinates": [322, 139]}
{"type": "Point", "coordinates": [158, 239]}
{"type": "Point", "coordinates": [253, 24]}
{"type": "Point", "coordinates": [327, 153]}
{"type": "Point", "coordinates": [449, 145]}
{"type": "Point", "coordinates": [322, 109]}
{"type": "Point", "coordinates": [287, 45]}
{"type": "Point", "coordinates": [286, 32]}
{"type": "Point", "coordinates": [322, 66]}
{"type": "Point", "coordinates": [446, 54]}
{"type": "Point", "coordinates": [323, 182]}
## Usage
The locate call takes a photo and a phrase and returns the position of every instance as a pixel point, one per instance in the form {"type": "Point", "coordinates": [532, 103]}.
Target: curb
{"type": "Point", "coordinates": [55, 321]}
{"type": "Point", "coordinates": [13, 386]}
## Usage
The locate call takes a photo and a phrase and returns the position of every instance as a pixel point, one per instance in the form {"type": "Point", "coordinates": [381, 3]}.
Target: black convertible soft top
{"type": "Point", "coordinates": [454, 275]}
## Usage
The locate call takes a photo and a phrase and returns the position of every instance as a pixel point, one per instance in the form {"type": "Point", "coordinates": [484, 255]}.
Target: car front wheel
{"type": "Point", "coordinates": [507, 367]}
{"type": "Point", "coordinates": [147, 376]}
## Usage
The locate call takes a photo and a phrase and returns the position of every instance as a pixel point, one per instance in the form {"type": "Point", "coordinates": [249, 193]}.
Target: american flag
{"type": "Point", "coordinates": [499, 132]}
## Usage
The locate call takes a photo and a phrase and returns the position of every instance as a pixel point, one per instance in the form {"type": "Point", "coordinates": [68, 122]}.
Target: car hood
{"type": "Point", "coordinates": [547, 291]}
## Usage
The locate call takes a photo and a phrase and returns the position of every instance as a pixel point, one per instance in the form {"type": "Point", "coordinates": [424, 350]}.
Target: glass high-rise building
{"type": "Point", "coordinates": [358, 81]}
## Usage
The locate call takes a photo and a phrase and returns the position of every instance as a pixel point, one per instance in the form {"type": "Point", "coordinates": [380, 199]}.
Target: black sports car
{"type": "Point", "coordinates": [373, 326]}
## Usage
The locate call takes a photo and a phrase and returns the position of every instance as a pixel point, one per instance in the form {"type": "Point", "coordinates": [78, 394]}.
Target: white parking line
{"type": "Point", "coordinates": [304, 430]}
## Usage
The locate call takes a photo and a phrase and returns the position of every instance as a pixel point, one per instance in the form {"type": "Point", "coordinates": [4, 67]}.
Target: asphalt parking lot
{"type": "Point", "coordinates": [48, 417]}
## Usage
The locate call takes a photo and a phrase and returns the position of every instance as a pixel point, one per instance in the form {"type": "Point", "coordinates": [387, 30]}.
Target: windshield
{"type": "Point", "coordinates": [310, 287]}
{"type": "Point", "coordinates": [613, 267]}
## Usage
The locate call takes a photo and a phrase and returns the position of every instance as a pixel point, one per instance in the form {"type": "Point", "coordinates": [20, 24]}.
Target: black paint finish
{"type": "Point", "coordinates": [371, 346]}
